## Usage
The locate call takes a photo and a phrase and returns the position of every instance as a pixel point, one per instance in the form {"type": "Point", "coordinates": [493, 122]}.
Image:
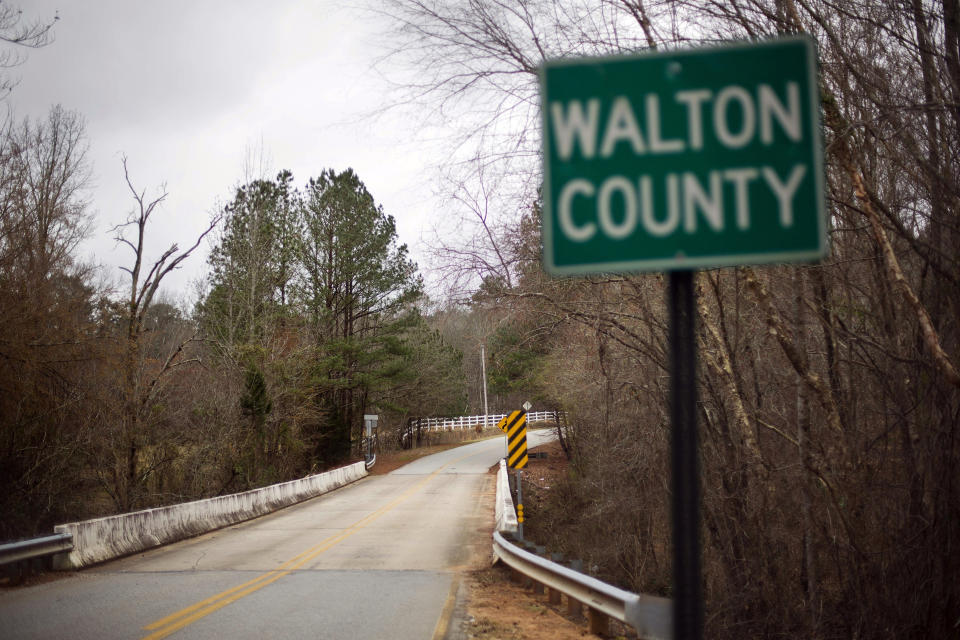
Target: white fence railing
{"type": "Point", "coordinates": [489, 420]}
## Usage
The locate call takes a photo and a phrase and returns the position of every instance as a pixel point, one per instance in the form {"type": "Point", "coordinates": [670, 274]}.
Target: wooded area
{"type": "Point", "coordinates": [114, 399]}
{"type": "Point", "coordinates": [829, 394]}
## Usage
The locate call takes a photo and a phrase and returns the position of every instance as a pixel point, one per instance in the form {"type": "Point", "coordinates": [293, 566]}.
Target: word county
{"type": "Point", "coordinates": [726, 120]}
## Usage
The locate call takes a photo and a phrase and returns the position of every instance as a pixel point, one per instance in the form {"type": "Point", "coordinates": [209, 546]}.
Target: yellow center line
{"type": "Point", "coordinates": [180, 619]}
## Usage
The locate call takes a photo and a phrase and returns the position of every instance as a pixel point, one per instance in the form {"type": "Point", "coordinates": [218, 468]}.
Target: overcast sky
{"type": "Point", "coordinates": [185, 89]}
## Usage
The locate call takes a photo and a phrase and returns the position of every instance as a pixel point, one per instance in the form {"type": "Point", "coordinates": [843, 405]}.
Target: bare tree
{"type": "Point", "coordinates": [473, 69]}
{"type": "Point", "coordinates": [20, 34]}
{"type": "Point", "coordinates": [46, 338]}
{"type": "Point", "coordinates": [140, 382]}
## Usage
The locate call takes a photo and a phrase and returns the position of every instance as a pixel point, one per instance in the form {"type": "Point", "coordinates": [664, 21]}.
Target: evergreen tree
{"type": "Point", "coordinates": [428, 377]}
{"type": "Point", "coordinates": [256, 403]}
{"type": "Point", "coordinates": [254, 262]}
{"type": "Point", "coordinates": [357, 287]}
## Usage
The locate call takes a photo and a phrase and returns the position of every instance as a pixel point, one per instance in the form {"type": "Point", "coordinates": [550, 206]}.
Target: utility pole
{"type": "Point", "coordinates": [483, 372]}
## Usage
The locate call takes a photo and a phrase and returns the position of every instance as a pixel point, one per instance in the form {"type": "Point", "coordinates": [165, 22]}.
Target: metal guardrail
{"type": "Point", "coordinates": [35, 548]}
{"type": "Point", "coordinates": [651, 616]}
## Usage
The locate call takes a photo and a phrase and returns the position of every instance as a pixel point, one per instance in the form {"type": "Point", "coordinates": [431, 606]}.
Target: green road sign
{"type": "Point", "coordinates": [683, 159]}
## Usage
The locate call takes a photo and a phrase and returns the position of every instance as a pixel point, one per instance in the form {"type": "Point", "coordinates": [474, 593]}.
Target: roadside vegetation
{"type": "Point", "coordinates": [114, 398]}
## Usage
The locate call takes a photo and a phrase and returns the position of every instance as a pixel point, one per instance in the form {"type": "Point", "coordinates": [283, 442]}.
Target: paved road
{"type": "Point", "coordinates": [376, 559]}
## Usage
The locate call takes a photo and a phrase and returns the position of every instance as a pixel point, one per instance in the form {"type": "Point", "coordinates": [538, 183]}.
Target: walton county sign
{"type": "Point", "coordinates": [683, 159]}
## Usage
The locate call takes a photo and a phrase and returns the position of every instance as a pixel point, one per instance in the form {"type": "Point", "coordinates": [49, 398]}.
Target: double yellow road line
{"type": "Point", "coordinates": [187, 616]}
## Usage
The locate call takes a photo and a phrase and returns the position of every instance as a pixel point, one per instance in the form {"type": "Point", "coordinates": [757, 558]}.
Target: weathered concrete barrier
{"type": "Point", "coordinates": [503, 509]}
{"type": "Point", "coordinates": [114, 536]}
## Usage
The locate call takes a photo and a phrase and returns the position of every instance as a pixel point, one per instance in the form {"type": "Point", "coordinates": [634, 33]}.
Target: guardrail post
{"type": "Point", "coordinates": [574, 608]}
{"type": "Point", "coordinates": [13, 572]}
{"type": "Point", "coordinates": [599, 623]}
{"type": "Point", "coordinates": [553, 596]}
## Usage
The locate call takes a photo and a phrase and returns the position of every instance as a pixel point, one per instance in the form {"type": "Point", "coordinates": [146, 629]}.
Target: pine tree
{"type": "Point", "coordinates": [357, 288]}
{"type": "Point", "coordinates": [254, 262]}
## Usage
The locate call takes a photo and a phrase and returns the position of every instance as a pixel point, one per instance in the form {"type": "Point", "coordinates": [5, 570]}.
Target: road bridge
{"type": "Point", "coordinates": [376, 559]}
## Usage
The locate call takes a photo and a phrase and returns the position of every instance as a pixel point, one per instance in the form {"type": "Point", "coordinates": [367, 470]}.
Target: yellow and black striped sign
{"type": "Point", "coordinates": [515, 426]}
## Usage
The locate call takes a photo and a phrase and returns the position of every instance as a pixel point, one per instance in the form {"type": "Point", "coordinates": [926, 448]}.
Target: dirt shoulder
{"type": "Point", "coordinates": [499, 609]}
{"type": "Point", "coordinates": [496, 607]}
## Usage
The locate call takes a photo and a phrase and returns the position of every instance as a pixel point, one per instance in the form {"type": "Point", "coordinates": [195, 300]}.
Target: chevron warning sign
{"type": "Point", "coordinates": [515, 426]}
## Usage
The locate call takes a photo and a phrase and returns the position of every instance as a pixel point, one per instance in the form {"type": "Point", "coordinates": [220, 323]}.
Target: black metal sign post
{"type": "Point", "coordinates": [684, 453]}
